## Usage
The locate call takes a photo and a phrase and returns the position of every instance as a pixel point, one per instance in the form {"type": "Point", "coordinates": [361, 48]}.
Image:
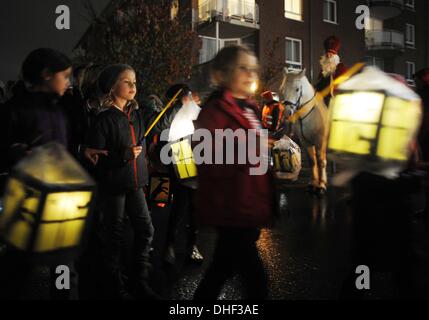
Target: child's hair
{"type": "Point", "coordinates": [41, 59]}
{"type": "Point", "coordinates": [223, 65]}
{"type": "Point", "coordinates": [89, 86]}
{"type": "Point", "coordinates": [108, 79]}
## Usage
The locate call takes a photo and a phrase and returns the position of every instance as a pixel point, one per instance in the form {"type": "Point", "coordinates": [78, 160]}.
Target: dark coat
{"type": "Point", "coordinates": [154, 144]}
{"type": "Point", "coordinates": [79, 117]}
{"type": "Point", "coordinates": [116, 131]}
{"type": "Point", "coordinates": [228, 195]}
{"type": "Point", "coordinates": [423, 137]}
{"type": "Point", "coordinates": [33, 119]}
{"type": "Point", "coordinates": [324, 82]}
{"type": "Point", "coordinates": [382, 212]}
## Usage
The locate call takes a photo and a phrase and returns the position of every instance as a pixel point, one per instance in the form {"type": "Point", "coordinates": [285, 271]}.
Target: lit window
{"type": "Point", "coordinates": [294, 53]}
{"type": "Point", "coordinates": [410, 35]}
{"type": "Point", "coordinates": [330, 11]}
{"type": "Point", "coordinates": [293, 9]}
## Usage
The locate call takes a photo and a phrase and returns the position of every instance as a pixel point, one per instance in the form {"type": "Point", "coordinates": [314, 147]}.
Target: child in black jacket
{"type": "Point", "coordinates": [121, 174]}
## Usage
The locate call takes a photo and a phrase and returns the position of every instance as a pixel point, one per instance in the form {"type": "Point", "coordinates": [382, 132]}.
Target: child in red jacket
{"type": "Point", "coordinates": [229, 197]}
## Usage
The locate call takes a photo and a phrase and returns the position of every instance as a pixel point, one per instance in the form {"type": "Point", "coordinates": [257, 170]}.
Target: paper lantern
{"type": "Point", "coordinates": [373, 119]}
{"type": "Point", "coordinates": [183, 159]}
{"type": "Point", "coordinates": [182, 127]}
{"type": "Point", "coordinates": [47, 202]}
{"type": "Point", "coordinates": [286, 156]}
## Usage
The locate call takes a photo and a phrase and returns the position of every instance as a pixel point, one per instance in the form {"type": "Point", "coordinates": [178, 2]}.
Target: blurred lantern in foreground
{"type": "Point", "coordinates": [181, 130]}
{"type": "Point", "coordinates": [373, 120]}
{"type": "Point", "coordinates": [47, 201]}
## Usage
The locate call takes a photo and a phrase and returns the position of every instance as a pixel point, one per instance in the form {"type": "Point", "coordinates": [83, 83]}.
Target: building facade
{"type": "Point", "coordinates": [291, 32]}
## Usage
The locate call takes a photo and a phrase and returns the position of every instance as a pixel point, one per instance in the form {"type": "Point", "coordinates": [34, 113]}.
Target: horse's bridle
{"type": "Point", "coordinates": [295, 105]}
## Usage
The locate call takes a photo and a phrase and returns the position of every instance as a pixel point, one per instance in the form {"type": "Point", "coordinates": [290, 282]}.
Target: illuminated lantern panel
{"type": "Point", "coordinates": [47, 202]}
{"type": "Point", "coordinates": [183, 159]}
{"type": "Point", "coordinates": [373, 125]}
{"type": "Point", "coordinates": [399, 123]}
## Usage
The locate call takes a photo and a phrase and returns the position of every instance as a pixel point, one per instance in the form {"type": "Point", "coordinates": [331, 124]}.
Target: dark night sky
{"type": "Point", "coordinates": [29, 24]}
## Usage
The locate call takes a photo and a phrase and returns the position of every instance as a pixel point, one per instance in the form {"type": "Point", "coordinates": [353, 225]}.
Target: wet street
{"type": "Point", "coordinates": [307, 253]}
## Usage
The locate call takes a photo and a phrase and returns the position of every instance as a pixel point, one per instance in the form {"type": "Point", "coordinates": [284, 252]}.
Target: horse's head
{"type": "Point", "coordinates": [295, 90]}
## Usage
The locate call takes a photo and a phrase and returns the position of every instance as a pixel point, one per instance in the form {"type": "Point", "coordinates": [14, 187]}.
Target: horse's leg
{"type": "Point", "coordinates": [322, 164]}
{"type": "Point", "coordinates": [311, 151]}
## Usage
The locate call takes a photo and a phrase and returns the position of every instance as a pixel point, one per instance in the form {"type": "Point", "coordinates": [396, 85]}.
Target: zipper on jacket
{"type": "Point", "coordinates": [133, 138]}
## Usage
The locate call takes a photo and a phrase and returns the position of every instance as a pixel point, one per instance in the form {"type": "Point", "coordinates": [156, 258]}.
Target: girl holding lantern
{"type": "Point", "coordinates": [228, 197]}
{"type": "Point", "coordinates": [34, 117]}
{"type": "Point", "coordinates": [119, 130]}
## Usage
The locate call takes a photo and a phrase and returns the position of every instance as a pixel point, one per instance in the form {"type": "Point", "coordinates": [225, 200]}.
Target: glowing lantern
{"type": "Point", "coordinates": [181, 129]}
{"type": "Point", "coordinates": [47, 202]}
{"type": "Point", "coordinates": [184, 159]}
{"type": "Point", "coordinates": [373, 119]}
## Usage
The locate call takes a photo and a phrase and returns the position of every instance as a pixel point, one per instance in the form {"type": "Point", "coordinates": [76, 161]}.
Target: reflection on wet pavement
{"type": "Point", "coordinates": [306, 253]}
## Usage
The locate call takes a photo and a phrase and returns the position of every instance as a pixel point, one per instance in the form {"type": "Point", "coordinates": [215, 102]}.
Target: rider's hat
{"type": "Point", "coordinates": [332, 45]}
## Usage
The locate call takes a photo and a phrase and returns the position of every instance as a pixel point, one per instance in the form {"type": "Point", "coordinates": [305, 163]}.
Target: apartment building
{"type": "Point", "coordinates": [395, 37]}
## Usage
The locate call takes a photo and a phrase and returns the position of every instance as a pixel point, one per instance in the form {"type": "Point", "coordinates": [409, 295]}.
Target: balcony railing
{"type": "Point", "coordinates": [394, 3]}
{"type": "Point", "coordinates": [385, 9]}
{"type": "Point", "coordinates": [243, 10]}
{"type": "Point", "coordinates": [384, 39]}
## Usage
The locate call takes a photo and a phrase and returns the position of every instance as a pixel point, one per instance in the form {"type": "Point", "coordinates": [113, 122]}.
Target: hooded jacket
{"type": "Point", "coordinates": [32, 119]}
{"type": "Point", "coordinates": [116, 131]}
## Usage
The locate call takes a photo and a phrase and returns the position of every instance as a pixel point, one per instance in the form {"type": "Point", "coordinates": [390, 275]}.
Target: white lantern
{"type": "Point", "coordinates": [181, 130]}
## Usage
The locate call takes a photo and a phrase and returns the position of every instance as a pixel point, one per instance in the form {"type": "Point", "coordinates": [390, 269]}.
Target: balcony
{"type": "Point", "coordinates": [387, 42]}
{"type": "Point", "coordinates": [385, 9]}
{"type": "Point", "coordinates": [242, 12]}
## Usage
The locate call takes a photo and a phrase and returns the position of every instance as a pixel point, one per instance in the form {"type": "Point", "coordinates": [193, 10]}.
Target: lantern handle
{"type": "Point", "coordinates": [345, 76]}
{"type": "Point", "coordinates": [162, 113]}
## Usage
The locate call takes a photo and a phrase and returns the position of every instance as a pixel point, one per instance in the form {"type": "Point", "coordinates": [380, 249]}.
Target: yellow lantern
{"type": "Point", "coordinates": [47, 202]}
{"type": "Point", "coordinates": [181, 130]}
{"type": "Point", "coordinates": [183, 159]}
{"type": "Point", "coordinates": [373, 118]}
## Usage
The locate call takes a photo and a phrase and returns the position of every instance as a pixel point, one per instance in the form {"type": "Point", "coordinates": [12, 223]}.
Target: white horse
{"type": "Point", "coordinates": [309, 117]}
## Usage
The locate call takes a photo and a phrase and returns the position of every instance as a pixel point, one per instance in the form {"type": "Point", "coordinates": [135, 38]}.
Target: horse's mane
{"type": "Point", "coordinates": [293, 75]}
